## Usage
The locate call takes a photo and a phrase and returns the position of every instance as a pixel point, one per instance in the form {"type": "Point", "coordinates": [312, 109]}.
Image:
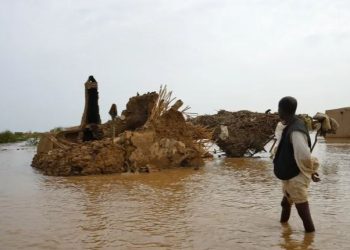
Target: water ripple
{"type": "Point", "coordinates": [228, 204]}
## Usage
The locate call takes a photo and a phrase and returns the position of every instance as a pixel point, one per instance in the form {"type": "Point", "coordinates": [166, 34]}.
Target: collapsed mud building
{"type": "Point", "coordinates": [151, 134]}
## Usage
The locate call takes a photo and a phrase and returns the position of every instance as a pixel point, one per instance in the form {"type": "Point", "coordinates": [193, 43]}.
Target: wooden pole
{"type": "Point", "coordinates": [113, 113]}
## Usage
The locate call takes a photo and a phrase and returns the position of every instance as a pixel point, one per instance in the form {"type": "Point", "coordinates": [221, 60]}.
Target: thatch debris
{"type": "Point", "coordinates": [240, 133]}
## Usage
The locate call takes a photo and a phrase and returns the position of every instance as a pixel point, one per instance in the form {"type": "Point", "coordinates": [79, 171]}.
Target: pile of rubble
{"type": "Point", "coordinates": [239, 133]}
{"type": "Point", "coordinates": [151, 134]}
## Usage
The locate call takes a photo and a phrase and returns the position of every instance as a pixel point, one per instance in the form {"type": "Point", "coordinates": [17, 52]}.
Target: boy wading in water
{"type": "Point", "coordinates": [294, 165]}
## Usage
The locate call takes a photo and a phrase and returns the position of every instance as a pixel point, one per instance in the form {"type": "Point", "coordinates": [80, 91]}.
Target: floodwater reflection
{"type": "Point", "coordinates": [228, 204]}
{"type": "Point", "coordinates": [288, 242]}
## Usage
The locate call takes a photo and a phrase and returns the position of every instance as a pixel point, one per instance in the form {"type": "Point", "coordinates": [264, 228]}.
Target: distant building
{"type": "Point", "coordinates": [342, 115]}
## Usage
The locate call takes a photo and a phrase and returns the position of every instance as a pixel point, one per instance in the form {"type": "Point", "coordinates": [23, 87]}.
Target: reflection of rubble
{"type": "Point", "coordinates": [237, 133]}
{"type": "Point", "coordinates": [150, 135]}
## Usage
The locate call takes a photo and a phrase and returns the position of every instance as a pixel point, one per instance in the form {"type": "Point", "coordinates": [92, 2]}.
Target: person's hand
{"type": "Point", "coordinates": [315, 177]}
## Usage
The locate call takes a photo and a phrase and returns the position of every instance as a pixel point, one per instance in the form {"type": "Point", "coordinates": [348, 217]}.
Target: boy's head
{"type": "Point", "coordinates": [287, 107]}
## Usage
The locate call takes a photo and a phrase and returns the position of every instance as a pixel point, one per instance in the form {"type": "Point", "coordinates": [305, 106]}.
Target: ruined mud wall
{"type": "Point", "coordinates": [138, 109]}
{"type": "Point", "coordinates": [92, 157]}
{"type": "Point", "coordinates": [166, 143]}
{"type": "Point", "coordinates": [237, 133]}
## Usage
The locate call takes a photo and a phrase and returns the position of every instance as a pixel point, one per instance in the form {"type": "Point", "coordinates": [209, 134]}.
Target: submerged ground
{"type": "Point", "coordinates": [228, 204]}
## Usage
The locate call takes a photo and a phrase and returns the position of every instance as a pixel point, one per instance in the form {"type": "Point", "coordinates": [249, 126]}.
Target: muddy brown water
{"type": "Point", "coordinates": [228, 204]}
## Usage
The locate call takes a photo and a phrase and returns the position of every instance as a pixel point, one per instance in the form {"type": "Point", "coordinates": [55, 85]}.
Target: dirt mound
{"type": "Point", "coordinates": [237, 133]}
{"type": "Point", "coordinates": [87, 158]}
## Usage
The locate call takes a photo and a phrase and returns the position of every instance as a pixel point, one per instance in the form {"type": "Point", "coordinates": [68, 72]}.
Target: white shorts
{"type": "Point", "coordinates": [296, 189]}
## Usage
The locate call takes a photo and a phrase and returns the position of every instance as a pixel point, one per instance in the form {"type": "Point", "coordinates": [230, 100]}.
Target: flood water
{"type": "Point", "coordinates": [228, 204]}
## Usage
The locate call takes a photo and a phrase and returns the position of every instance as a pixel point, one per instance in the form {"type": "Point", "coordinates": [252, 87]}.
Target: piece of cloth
{"type": "Point", "coordinates": [334, 126]}
{"type": "Point", "coordinates": [278, 132]}
{"type": "Point", "coordinates": [328, 124]}
{"type": "Point", "coordinates": [324, 120]}
{"type": "Point", "coordinates": [278, 135]}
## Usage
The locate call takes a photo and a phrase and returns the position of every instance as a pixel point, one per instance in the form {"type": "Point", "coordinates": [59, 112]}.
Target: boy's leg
{"type": "Point", "coordinates": [286, 209]}
{"type": "Point", "coordinates": [305, 215]}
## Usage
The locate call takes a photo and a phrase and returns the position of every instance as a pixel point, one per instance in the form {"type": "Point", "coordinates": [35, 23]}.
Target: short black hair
{"type": "Point", "coordinates": [288, 104]}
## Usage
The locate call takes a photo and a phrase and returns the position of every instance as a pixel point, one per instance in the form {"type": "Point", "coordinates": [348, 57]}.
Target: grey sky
{"type": "Point", "coordinates": [214, 55]}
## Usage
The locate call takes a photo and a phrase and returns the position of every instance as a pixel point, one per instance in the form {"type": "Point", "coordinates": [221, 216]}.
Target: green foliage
{"type": "Point", "coordinates": [8, 136]}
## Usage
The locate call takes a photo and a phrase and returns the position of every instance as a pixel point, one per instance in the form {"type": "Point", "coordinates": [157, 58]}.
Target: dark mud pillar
{"type": "Point", "coordinates": [91, 116]}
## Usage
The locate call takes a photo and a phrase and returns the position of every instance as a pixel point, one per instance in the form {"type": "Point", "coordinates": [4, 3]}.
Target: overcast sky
{"type": "Point", "coordinates": [233, 55]}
